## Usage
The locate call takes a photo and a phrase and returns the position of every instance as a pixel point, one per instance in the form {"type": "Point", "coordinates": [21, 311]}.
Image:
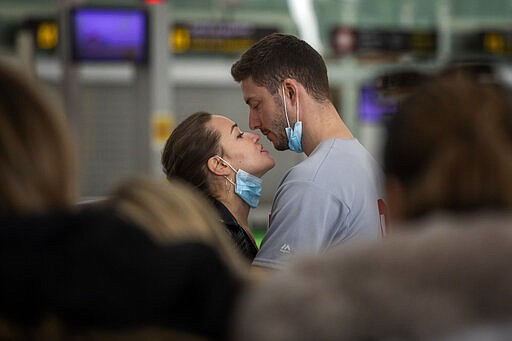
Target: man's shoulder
{"type": "Point", "coordinates": [330, 159]}
{"type": "Point", "coordinates": [316, 160]}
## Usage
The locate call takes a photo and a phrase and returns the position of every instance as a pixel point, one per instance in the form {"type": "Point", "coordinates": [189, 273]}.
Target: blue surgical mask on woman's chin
{"type": "Point", "coordinates": [247, 186]}
{"type": "Point", "coordinates": [294, 135]}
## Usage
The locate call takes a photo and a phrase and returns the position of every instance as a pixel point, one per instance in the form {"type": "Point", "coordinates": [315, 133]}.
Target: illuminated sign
{"type": "Point", "coordinates": [497, 42]}
{"type": "Point", "coordinates": [47, 35]}
{"type": "Point", "coordinates": [487, 44]}
{"type": "Point", "coordinates": [215, 38]}
{"type": "Point", "coordinates": [45, 32]}
{"type": "Point", "coordinates": [385, 42]}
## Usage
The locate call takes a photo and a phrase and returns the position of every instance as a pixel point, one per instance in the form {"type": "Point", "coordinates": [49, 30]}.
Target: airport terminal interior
{"type": "Point", "coordinates": [122, 106]}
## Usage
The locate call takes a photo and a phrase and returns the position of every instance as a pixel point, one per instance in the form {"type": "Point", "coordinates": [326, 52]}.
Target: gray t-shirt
{"type": "Point", "coordinates": [329, 198]}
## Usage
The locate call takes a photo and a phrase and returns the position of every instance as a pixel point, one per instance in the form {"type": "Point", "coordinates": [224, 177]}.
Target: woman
{"type": "Point", "coordinates": [213, 154]}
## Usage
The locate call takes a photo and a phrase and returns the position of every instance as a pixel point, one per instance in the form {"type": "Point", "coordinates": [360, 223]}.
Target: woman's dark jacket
{"type": "Point", "coordinates": [243, 241]}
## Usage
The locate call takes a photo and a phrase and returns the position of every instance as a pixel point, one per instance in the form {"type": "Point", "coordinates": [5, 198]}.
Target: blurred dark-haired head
{"type": "Point", "coordinates": [449, 148]}
{"type": "Point", "coordinates": [188, 149]}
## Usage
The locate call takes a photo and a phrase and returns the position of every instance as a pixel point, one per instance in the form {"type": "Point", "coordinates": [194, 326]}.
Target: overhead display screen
{"type": "Point", "coordinates": [391, 43]}
{"type": "Point", "coordinates": [109, 34]}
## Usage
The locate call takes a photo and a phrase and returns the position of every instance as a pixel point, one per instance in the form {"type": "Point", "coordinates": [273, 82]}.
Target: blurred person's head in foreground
{"type": "Point", "coordinates": [148, 262]}
{"type": "Point", "coordinates": [449, 149]}
{"type": "Point", "coordinates": [173, 212]}
{"type": "Point", "coordinates": [37, 162]}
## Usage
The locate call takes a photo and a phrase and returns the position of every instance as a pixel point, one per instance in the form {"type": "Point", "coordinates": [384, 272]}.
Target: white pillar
{"type": "Point", "coordinates": [160, 89]}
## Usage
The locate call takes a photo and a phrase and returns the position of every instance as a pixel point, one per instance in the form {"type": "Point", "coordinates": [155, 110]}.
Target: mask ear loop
{"type": "Point", "coordinates": [285, 111]}
{"type": "Point", "coordinates": [227, 163]}
{"type": "Point", "coordinates": [225, 177]}
{"type": "Point", "coordinates": [227, 185]}
{"type": "Point", "coordinates": [298, 111]}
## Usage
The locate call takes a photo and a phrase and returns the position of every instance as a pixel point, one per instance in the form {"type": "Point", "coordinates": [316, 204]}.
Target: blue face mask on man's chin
{"type": "Point", "coordinates": [294, 135]}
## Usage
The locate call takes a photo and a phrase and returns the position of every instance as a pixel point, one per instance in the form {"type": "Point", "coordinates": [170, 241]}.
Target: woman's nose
{"type": "Point", "coordinates": [255, 137]}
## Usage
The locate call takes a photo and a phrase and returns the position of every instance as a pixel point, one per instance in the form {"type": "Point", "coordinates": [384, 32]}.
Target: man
{"type": "Point", "coordinates": [330, 197]}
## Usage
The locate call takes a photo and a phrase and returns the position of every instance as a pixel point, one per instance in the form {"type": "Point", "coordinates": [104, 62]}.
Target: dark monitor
{"type": "Point", "coordinates": [382, 97]}
{"type": "Point", "coordinates": [108, 34]}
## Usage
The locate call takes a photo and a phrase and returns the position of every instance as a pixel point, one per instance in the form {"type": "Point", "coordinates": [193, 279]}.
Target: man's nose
{"type": "Point", "coordinates": [254, 121]}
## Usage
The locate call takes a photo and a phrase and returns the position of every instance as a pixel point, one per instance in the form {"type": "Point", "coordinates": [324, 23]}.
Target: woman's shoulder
{"type": "Point", "coordinates": [242, 241]}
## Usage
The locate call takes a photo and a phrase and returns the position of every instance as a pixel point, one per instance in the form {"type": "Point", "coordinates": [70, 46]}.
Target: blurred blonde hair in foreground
{"type": "Point", "coordinates": [37, 164]}
{"type": "Point", "coordinates": [173, 212]}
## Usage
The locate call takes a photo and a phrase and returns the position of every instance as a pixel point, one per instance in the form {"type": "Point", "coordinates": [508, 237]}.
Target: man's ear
{"type": "Point", "coordinates": [217, 166]}
{"type": "Point", "coordinates": [290, 89]}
